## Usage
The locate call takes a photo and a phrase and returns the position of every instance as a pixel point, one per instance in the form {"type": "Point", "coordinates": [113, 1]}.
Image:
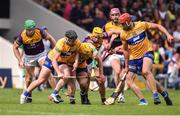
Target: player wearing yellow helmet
{"type": "Point", "coordinates": [95, 37]}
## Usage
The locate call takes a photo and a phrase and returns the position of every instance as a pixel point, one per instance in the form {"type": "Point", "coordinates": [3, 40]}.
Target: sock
{"type": "Point", "coordinates": [156, 95]}
{"type": "Point", "coordinates": [83, 93]}
{"type": "Point", "coordinates": [103, 99]}
{"type": "Point", "coordinates": [164, 94]}
{"type": "Point", "coordinates": [55, 92]}
{"type": "Point", "coordinates": [26, 93]}
{"type": "Point", "coordinates": [71, 98]}
{"type": "Point", "coordinates": [143, 100]}
{"type": "Point", "coordinates": [30, 95]}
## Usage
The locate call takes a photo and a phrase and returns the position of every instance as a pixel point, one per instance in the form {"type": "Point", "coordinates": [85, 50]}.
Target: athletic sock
{"type": "Point", "coordinates": [55, 92]}
{"type": "Point", "coordinates": [164, 94]}
{"type": "Point", "coordinates": [143, 100]}
{"type": "Point", "coordinates": [155, 95]}
{"type": "Point", "coordinates": [103, 100]}
{"type": "Point", "coordinates": [26, 93]}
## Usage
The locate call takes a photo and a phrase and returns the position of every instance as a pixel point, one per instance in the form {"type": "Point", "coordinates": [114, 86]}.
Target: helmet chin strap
{"type": "Point", "coordinates": [128, 24]}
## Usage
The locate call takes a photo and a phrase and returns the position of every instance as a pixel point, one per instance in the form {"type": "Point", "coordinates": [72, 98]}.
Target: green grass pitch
{"type": "Point", "coordinates": [9, 104]}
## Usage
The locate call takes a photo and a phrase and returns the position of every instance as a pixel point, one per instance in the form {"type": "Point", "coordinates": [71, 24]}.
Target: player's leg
{"type": "Point", "coordinates": [55, 97]}
{"type": "Point", "coordinates": [71, 90]}
{"type": "Point", "coordinates": [116, 65]}
{"type": "Point", "coordinates": [163, 92]}
{"type": "Point", "coordinates": [44, 74]}
{"type": "Point", "coordinates": [130, 82]}
{"type": "Point", "coordinates": [102, 89]}
{"type": "Point", "coordinates": [52, 81]}
{"type": "Point", "coordinates": [83, 80]}
{"type": "Point", "coordinates": [28, 80]}
{"type": "Point", "coordinates": [146, 72]}
{"type": "Point", "coordinates": [36, 74]}
{"type": "Point", "coordinates": [29, 75]}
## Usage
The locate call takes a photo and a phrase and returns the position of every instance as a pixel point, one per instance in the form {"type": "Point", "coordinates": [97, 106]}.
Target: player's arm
{"type": "Point", "coordinates": [97, 58]}
{"type": "Point", "coordinates": [17, 53]}
{"type": "Point", "coordinates": [110, 33]}
{"type": "Point", "coordinates": [126, 54]}
{"type": "Point", "coordinates": [100, 64]}
{"type": "Point", "coordinates": [162, 29]}
{"type": "Point", "coordinates": [89, 41]}
{"type": "Point", "coordinates": [75, 65]}
{"type": "Point", "coordinates": [55, 61]}
{"type": "Point", "coordinates": [50, 38]}
{"type": "Point", "coordinates": [105, 43]}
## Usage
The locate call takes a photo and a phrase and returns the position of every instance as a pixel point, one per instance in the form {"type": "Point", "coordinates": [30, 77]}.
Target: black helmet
{"type": "Point", "coordinates": [71, 34]}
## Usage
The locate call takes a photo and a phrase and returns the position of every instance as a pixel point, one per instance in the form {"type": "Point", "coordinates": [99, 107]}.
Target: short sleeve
{"type": "Point", "coordinates": [43, 33]}
{"type": "Point", "coordinates": [78, 44]}
{"type": "Point", "coordinates": [19, 40]}
{"type": "Point", "coordinates": [146, 25]}
{"type": "Point", "coordinates": [59, 45]}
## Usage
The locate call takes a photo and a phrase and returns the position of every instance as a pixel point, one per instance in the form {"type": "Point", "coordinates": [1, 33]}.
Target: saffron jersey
{"type": "Point", "coordinates": [137, 40]}
{"type": "Point", "coordinates": [109, 27]}
{"type": "Point", "coordinates": [65, 50]}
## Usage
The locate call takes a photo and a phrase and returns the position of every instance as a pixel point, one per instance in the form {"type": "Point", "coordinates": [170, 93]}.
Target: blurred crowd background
{"type": "Point", "coordinates": [90, 13]}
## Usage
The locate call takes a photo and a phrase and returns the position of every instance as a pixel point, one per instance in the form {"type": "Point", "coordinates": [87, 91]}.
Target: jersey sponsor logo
{"type": "Point", "coordinates": [67, 54]}
{"type": "Point", "coordinates": [137, 39]}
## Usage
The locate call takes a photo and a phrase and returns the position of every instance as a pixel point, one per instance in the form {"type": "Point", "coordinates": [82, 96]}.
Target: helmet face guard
{"type": "Point", "coordinates": [97, 32]}
{"type": "Point", "coordinates": [29, 24]}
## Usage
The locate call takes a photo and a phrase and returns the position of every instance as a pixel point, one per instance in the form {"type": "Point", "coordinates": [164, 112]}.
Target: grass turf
{"type": "Point", "coordinates": [9, 104]}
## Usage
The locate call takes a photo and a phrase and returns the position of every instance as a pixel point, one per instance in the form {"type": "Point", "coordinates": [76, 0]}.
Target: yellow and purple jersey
{"type": "Point", "coordinates": [97, 42]}
{"type": "Point", "coordinates": [137, 40]}
{"type": "Point", "coordinates": [110, 27]}
{"type": "Point", "coordinates": [66, 52]}
{"type": "Point", "coordinates": [32, 45]}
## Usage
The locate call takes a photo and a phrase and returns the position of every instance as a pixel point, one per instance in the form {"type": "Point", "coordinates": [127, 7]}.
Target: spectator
{"type": "Point", "coordinates": [161, 15]}
{"type": "Point", "coordinates": [176, 35]}
{"type": "Point", "coordinates": [100, 19]}
{"type": "Point", "coordinates": [158, 59]}
{"type": "Point", "coordinates": [173, 71]}
{"type": "Point", "coordinates": [76, 13]}
{"type": "Point", "coordinates": [86, 21]}
{"type": "Point", "coordinates": [56, 8]}
{"type": "Point", "coordinates": [135, 11]}
{"type": "Point", "coordinates": [68, 9]}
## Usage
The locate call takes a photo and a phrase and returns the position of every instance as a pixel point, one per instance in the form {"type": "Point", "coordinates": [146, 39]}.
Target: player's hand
{"type": "Point", "coordinates": [116, 49]}
{"type": "Point", "coordinates": [21, 64]}
{"type": "Point", "coordinates": [60, 75]}
{"type": "Point", "coordinates": [125, 70]}
{"type": "Point", "coordinates": [170, 38]}
{"type": "Point", "coordinates": [113, 36]}
{"type": "Point", "coordinates": [107, 46]}
{"type": "Point", "coordinates": [75, 66]}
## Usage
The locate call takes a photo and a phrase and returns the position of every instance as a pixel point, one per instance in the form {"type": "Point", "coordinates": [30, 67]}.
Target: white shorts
{"type": "Point", "coordinates": [112, 57]}
{"type": "Point", "coordinates": [33, 60]}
